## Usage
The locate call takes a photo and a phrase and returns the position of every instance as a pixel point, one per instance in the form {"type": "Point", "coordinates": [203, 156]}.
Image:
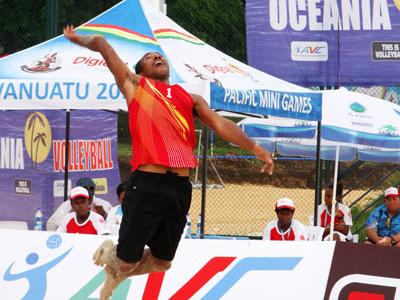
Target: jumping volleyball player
{"type": "Point", "coordinates": [161, 123]}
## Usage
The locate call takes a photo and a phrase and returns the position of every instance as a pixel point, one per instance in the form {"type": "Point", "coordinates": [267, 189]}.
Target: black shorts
{"type": "Point", "coordinates": [154, 214]}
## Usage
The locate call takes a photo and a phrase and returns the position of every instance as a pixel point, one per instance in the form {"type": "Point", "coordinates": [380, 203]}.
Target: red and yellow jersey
{"type": "Point", "coordinates": [94, 224]}
{"type": "Point", "coordinates": [161, 124]}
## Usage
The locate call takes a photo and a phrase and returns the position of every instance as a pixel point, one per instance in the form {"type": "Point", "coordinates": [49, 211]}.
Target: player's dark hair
{"type": "Point", "coordinates": [139, 66]}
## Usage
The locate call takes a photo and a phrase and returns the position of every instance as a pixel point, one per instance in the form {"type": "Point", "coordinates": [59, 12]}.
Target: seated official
{"type": "Point", "coordinates": [383, 225]}
{"type": "Point", "coordinates": [342, 221]}
{"type": "Point", "coordinates": [284, 228]}
{"type": "Point", "coordinates": [82, 219]}
{"type": "Point", "coordinates": [97, 205]}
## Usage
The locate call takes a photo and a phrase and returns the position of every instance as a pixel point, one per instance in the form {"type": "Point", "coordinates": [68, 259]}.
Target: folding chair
{"type": "Point", "coordinates": [20, 225]}
{"type": "Point", "coordinates": [314, 233]}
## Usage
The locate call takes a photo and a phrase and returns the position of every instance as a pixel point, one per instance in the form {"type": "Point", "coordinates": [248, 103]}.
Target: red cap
{"type": "Point", "coordinates": [285, 203]}
{"type": "Point", "coordinates": [391, 192]}
{"type": "Point", "coordinates": [79, 192]}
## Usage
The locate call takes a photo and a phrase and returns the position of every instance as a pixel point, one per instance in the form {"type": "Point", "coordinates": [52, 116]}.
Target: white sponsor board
{"type": "Point", "coordinates": [45, 265]}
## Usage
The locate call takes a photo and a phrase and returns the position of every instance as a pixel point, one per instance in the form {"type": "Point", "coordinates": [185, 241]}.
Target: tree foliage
{"type": "Point", "coordinates": [23, 22]}
{"type": "Point", "coordinates": [219, 23]}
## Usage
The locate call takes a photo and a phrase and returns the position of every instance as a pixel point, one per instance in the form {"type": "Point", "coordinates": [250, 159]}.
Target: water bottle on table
{"type": "Point", "coordinates": [38, 220]}
{"type": "Point", "coordinates": [188, 227]}
{"type": "Point", "coordinates": [198, 226]}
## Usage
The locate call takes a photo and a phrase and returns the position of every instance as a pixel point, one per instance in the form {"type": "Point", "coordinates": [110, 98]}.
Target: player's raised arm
{"type": "Point", "coordinates": [230, 132]}
{"type": "Point", "coordinates": [126, 80]}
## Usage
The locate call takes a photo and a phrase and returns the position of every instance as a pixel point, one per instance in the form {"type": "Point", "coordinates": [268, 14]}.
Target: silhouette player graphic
{"type": "Point", "coordinates": [37, 277]}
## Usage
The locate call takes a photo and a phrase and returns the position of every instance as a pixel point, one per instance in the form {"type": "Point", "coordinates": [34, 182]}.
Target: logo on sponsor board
{"type": "Point", "coordinates": [358, 116]}
{"type": "Point", "coordinates": [201, 76]}
{"type": "Point", "coordinates": [36, 276]}
{"type": "Point", "coordinates": [386, 50]}
{"type": "Point", "coordinates": [309, 51]}
{"type": "Point", "coordinates": [23, 186]}
{"type": "Point", "coordinates": [350, 279]}
{"type": "Point", "coordinates": [58, 187]}
{"type": "Point", "coordinates": [48, 63]}
{"type": "Point", "coordinates": [101, 185]}
{"type": "Point", "coordinates": [357, 107]}
{"type": "Point", "coordinates": [229, 269]}
{"type": "Point", "coordinates": [37, 137]}
{"type": "Point", "coordinates": [388, 129]}
{"type": "Point", "coordinates": [213, 72]}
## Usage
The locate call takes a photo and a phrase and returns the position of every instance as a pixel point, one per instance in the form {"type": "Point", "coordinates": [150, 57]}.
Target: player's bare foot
{"type": "Point", "coordinates": [102, 254]}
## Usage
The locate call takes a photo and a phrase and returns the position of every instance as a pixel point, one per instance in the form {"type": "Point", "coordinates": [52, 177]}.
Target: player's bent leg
{"type": "Point", "coordinates": [149, 264]}
{"type": "Point", "coordinates": [121, 266]}
{"type": "Point", "coordinates": [117, 270]}
{"type": "Point", "coordinates": [160, 265]}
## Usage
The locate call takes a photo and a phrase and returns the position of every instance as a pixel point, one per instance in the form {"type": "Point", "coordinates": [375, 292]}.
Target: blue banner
{"type": "Point", "coordinates": [32, 159]}
{"type": "Point", "coordinates": [327, 42]}
{"type": "Point", "coordinates": [302, 106]}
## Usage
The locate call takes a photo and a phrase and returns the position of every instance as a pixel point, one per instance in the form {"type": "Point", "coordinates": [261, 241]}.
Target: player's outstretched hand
{"type": "Point", "coordinates": [266, 157]}
{"type": "Point", "coordinates": [92, 42]}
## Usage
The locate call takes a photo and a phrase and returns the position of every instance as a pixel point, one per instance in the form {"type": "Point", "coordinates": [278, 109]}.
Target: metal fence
{"type": "Point", "coordinates": [240, 200]}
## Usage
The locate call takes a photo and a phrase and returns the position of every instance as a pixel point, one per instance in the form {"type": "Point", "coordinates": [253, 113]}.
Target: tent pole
{"type": "Point", "coordinates": [203, 182]}
{"type": "Point", "coordinates": [52, 18]}
{"type": "Point", "coordinates": [327, 172]}
{"type": "Point", "coordinates": [317, 200]}
{"type": "Point", "coordinates": [333, 207]}
{"type": "Point", "coordinates": [66, 151]}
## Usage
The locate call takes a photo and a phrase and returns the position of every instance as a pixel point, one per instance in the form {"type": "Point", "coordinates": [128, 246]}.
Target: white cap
{"type": "Point", "coordinates": [391, 192]}
{"type": "Point", "coordinates": [79, 192]}
{"type": "Point", "coordinates": [285, 203]}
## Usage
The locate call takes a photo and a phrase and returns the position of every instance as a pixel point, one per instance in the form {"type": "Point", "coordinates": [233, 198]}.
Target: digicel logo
{"type": "Point", "coordinates": [90, 61]}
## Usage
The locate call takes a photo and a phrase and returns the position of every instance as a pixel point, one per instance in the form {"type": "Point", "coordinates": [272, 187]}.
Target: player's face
{"type": "Point", "coordinates": [285, 216]}
{"type": "Point", "coordinates": [80, 206]}
{"type": "Point", "coordinates": [155, 66]}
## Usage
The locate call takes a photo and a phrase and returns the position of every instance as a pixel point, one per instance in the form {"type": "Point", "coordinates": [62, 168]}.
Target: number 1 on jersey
{"type": "Point", "coordinates": [169, 96]}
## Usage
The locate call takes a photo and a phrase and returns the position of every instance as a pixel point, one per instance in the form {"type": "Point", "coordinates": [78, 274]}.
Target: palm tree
{"type": "Point", "coordinates": [32, 117]}
{"type": "Point", "coordinates": [39, 139]}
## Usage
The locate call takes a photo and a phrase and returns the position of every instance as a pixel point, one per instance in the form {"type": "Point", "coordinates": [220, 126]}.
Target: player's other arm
{"type": "Point", "coordinates": [126, 80]}
{"type": "Point", "coordinates": [230, 132]}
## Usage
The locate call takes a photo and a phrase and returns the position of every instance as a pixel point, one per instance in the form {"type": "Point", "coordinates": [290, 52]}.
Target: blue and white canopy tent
{"type": "Point", "coordinates": [57, 74]}
{"type": "Point", "coordinates": [358, 123]}
{"type": "Point", "coordinates": [292, 138]}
